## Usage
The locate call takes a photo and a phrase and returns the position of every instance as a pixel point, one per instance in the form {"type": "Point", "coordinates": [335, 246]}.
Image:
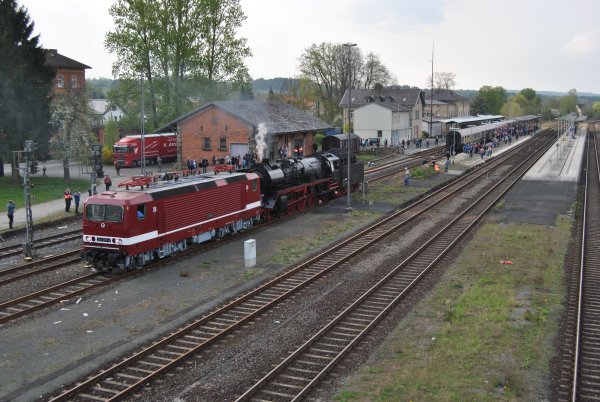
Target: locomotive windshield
{"type": "Point", "coordinates": [120, 149]}
{"type": "Point", "coordinates": [104, 213]}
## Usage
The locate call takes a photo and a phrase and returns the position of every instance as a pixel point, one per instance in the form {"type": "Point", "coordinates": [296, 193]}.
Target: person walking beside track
{"type": "Point", "coordinates": [10, 212]}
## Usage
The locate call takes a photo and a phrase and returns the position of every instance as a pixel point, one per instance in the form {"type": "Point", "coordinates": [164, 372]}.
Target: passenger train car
{"type": "Point", "coordinates": [457, 138]}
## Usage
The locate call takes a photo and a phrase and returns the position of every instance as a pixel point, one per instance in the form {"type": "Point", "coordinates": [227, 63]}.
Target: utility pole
{"type": "Point", "coordinates": [349, 46]}
{"type": "Point", "coordinates": [431, 96]}
{"type": "Point", "coordinates": [30, 165]}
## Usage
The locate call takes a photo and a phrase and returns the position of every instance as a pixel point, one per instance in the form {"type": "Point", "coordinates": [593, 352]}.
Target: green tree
{"type": "Point", "coordinates": [111, 133]}
{"type": "Point", "coordinates": [568, 103]}
{"type": "Point", "coordinates": [512, 108]}
{"type": "Point", "coordinates": [596, 109]}
{"type": "Point", "coordinates": [72, 117]}
{"type": "Point", "coordinates": [529, 101]}
{"type": "Point", "coordinates": [182, 48]}
{"type": "Point", "coordinates": [489, 100]}
{"type": "Point", "coordinates": [25, 82]}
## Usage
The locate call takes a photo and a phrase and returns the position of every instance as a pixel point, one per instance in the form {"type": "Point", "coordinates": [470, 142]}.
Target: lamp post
{"type": "Point", "coordinates": [142, 113]}
{"type": "Point", "coordinates": [349, 46]}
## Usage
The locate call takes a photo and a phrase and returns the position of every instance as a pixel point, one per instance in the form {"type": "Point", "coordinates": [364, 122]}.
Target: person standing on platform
{"type": "Point", "coordinates": [68, 198]}
{"type": "Point", "coordinates": [107, 182]}
{"type": "Point", "coordinates": [118, 168]}
{"type": "Point", "coordinates": [44, 171]}
{"type": "Point", "coordinates": [10, 212]}
{"type": "Point", "coordinates": [76, 198]}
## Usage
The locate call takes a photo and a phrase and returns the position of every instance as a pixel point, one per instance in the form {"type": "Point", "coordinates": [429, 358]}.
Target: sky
{"type": "Point", "coordinates": [547, 45]}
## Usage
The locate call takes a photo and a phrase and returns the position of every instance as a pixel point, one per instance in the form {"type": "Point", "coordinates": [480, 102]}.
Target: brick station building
{"type": "Point", "coordinates": [233, 128]}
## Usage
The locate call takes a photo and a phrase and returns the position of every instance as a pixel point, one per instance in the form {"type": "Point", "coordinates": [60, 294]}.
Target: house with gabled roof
{"type": "Point", "coordinates": [447, 104]}
{"type": "Point", "coordinates": [238, 127]}
{"type": "Point", "coordinates": [405, 107]}
{"type": "Point", "coordinates": [70, 74]}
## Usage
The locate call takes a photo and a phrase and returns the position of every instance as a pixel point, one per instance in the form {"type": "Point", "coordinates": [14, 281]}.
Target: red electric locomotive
{"type": "Point", "coordinates": [127, 228]}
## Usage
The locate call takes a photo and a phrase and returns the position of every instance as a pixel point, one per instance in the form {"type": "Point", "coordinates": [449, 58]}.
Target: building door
{"type": "Point", "coordinates": [238, 150]}
{"type": "Point", "coordinates": [395, 138]}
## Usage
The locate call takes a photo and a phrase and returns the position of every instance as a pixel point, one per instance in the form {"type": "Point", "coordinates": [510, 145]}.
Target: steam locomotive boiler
{"type": "Point", "coordinates": [294, 184]}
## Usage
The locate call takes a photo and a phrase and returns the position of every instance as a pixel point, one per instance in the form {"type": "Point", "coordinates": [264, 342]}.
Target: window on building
{"type": "Point", "coordinates": [379, 133]}
{"type": "Point", "coordinates": [222, 144]}
{"type": "Point", "coordinates": [206, 145]}
{"type": "Point", "coordinates": [60, 81]}
{"type": "Point", "coordinates": [73, 81]}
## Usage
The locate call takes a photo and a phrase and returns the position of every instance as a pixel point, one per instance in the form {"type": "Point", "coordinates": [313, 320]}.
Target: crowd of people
{"type": "Point", "coordinates": [238, 162]}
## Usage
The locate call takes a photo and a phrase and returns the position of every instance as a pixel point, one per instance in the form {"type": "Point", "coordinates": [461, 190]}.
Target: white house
{"type": "Point", "coordinates": [104, 112]}
{"type": "Point", "coordinates": [407, 103]}
{"type": "Point", "coordinates": [384, 120]}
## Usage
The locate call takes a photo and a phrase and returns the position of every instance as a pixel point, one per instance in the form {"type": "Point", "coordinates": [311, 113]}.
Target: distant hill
{"type": "Point", "coordinates": [263, 85]}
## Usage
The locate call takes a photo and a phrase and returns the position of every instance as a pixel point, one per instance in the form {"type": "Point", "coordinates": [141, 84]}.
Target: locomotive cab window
{"type": "Point", "coordinates": [141, 212]}
{"type": "Point", "coordinates": [104, 213]}
{"type": "Point", "coordinates": [254, 185]}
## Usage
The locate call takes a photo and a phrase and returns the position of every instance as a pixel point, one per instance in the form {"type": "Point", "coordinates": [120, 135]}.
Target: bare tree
{"type": "Point", "coordinates": [332, 68]}
{"type": "Point", "coordinates": [374, 72]}
{"type": "Point", "coordinates": [442, 81]}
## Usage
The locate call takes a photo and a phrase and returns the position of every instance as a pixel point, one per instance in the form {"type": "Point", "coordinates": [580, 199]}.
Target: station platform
{"type": "Point", "coordinates": [562, 162]}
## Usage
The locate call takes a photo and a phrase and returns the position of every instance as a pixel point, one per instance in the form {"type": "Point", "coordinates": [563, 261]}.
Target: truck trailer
{"type": "Point", "coordinates": [127, 152]}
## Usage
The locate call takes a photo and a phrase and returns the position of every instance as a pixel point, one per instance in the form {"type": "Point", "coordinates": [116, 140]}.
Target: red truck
{"type": "Point", "coordinates": [128, 151]}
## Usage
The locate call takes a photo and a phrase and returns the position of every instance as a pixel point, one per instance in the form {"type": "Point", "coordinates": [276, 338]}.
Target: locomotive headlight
{"type": "Point", "coordinates": [88, 238]}
{"type": "Point", "coordinates": [119, 241]}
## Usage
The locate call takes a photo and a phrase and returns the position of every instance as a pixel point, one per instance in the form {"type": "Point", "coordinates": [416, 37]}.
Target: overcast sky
{"type": "Point", "coordinates": [543, 44]}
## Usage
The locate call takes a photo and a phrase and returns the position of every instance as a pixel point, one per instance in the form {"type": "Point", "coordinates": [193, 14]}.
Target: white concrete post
{"type": "Point", "coordinates": [250, 253]}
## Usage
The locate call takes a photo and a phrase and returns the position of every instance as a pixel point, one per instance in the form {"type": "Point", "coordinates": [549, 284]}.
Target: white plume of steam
{"type": "Point", "coordinates": [261, 141]}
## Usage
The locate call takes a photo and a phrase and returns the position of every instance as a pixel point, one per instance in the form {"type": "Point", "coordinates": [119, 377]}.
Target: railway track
{"type": "Point", "coordinates": [38, 266]}
{"type": "Point", "coordinates": [136, 370]}
{"type": "Point", "coordinates": [304, 368]}
{"type": "Point", "coordinates": [34, 301]}
{"type": "Point", "coordinates": [383, 171]}
{"type": "Point", "coordinates": [15, 249]}
{"type": "Point", "coordinates": [579, 378]}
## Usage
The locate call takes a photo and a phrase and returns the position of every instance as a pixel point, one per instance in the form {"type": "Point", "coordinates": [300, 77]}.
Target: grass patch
{"type": "Point", "coordinates": [291, 250]}
{"type": "Point", "coordinates": [486, 332]}
{"type": "Point", "coordinates": [392, 191]}
{"type": "Point", "coordinates": [44, 189]}
{"type": "Point", "coordinates": [250, 273]}
{"type": "Point", "coordinates": [366, 157]}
